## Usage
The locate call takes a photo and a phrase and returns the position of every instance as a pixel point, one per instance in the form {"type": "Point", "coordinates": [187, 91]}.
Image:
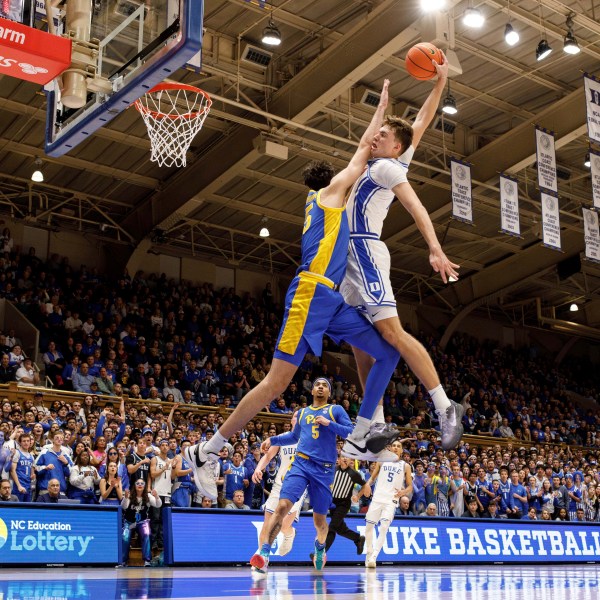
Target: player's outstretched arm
{"type": "Point", "coordinates": [430, 106]}
{"type": "Point", "coordinates": [438, 260]}
{"type": "Point", "coordinates": [333, 194]}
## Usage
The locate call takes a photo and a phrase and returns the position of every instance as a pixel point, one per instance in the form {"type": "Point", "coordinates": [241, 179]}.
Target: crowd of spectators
{"type": "Point", "coordinates": [157, 340]}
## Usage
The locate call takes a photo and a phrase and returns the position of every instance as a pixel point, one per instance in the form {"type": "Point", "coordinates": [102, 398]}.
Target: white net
{"type": "Point", "coordinates": [173, 115]}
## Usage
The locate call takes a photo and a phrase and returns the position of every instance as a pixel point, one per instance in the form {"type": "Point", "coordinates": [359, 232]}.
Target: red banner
{"type": "Point", "coordinates": [30, 54]}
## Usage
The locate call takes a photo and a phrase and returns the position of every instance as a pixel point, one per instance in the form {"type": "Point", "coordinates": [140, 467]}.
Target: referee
{"type": "Point", "coordinates": [343, 484]}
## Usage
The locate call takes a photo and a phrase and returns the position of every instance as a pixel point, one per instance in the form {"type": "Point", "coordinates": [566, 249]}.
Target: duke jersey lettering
{"type": "Point", "coordinates": [163, 484]}
{"type": "Point", "coordinates": [390, 479]}
{"type": "Point", "coordinates": [372, 196]}
{"type": "Point", "coordinates": [24, 462]}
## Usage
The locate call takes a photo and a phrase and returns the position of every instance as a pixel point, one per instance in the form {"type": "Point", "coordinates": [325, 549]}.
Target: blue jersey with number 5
{"type": "Point", "coordinates": [325, 239]}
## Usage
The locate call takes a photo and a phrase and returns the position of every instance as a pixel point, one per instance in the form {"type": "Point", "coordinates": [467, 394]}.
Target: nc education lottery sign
{"type": "Point", "coordinates": [408, 540]}
{"type": "Point", "coordinates": [59, 536]}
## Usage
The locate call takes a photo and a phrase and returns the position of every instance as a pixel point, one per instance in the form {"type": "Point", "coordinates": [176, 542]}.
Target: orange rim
{"type": "Point", "coordinates": [175, 86]}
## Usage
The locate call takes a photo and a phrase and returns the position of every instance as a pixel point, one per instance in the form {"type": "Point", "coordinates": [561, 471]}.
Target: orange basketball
{"type": "Point", "coordinates": [418, 60]}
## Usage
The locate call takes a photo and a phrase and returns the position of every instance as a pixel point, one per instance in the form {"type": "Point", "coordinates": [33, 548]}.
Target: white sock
{"type": "Point", "coordinates": [440, 400]}
{"type": "Point", "coordinates": [361, 428]}
{"type": "Point", "coordinates": [378, 416]}
{"type": "Point", "coordinates": [215, 444]}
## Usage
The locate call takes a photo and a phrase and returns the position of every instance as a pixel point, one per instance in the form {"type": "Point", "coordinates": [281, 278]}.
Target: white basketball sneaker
{"type": "Point", "coordinates": [288, 542]}
{"type": "Point", "coordinates": [203, 469]}
{"type": "Point", "coordinates": [370, 561]}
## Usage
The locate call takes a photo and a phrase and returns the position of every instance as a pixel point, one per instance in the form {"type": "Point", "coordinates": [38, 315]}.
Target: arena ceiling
{"type": "Point", "coordinates": [308, 99]}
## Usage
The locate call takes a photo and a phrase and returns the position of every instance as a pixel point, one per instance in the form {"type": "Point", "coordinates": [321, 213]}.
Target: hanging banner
{"type": "Point", "coordinates": [592, 105]}
{"type": "Point", "coordinates": [591, 235]}
{"type": "Point", "coordinates": [595, 173]}
{"type": "Point", "coordinates": [546, 159]}
{"type": "Point", "coordinates": [550, 222]}
{"type": "Point", "coordinates": [462, 202]}
{"type": "Point", "coordinates": [509, 205]}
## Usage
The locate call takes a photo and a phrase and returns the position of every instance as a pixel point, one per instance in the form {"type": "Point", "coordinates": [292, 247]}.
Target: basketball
{"type": "Point", "coordinates": [418, 60]}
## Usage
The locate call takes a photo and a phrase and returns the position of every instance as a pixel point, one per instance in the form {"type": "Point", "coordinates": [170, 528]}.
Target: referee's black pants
{"type": "Point", "coordinates": [338, 525]}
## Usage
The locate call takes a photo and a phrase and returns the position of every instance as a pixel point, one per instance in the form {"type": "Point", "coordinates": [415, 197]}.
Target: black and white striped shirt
{"type": "Point", "coordinates": [343, 483]}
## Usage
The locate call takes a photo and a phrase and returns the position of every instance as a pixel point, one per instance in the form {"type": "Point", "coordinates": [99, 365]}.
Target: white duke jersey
{"type": "Point", "coordinates": [391, 478]}
{"type": "Point", "coordinates": [372, 196]}
{"type": "Point", "coordinates": [286, 455]}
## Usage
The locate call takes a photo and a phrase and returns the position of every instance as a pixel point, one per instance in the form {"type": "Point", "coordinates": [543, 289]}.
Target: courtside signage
{"type": "Point", "coordinates": [408, 540]}
{"type": "Point", "coordinates": [30, 54]}
{"type": "Point", "coordinates": [59, 536]}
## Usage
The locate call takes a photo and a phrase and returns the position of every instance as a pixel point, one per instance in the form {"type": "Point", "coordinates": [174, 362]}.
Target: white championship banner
{"type": "Point", "coordinates": [546, 159]}
{"type": "Point", "coordinates": [591, 235]}
{"type": "Point", "coordinates": [550, 222]}
{"type": "Point", "coordinates": [595, 172]}
{"type": "Point", "coordinates": [509, 206]}
{"type": "Point", "coordinates": [592, 105]}
{"type": "Point", "coordinates": [462, 202]}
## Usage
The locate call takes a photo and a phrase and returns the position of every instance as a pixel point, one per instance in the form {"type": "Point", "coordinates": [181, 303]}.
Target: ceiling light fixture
{"type": "Point", "coordinates": [511, 36]}
{"type": "Point", "coordinates": [573, 307]}
{"type": "Point", "coordinates": [432, 5]}
{"type": "Point", "coordinates": [473, 17]}
{"type": "Point", "coordinates": [571, 46]}
{"type": "Point", "coordinates": [264, 232]}
{"type": "Point", "coordinates": [271, 35]}
{"type": "Point", "coordinates": [543, 48]}
{"type": "Point", "coordinates": [449, 105]}
{"type": "Point", "coordinates": [37, 175]}
{"type": "Point", "coordinates": [587, 162]}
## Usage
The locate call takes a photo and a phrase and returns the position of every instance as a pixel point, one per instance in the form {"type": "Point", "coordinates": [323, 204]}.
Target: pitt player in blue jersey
{"type": "Point", "coordinates": [316, 432]}
{"type": "Point", "coordinates": [313, 307]}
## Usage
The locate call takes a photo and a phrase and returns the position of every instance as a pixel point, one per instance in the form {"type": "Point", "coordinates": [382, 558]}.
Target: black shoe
{"type": "Point", "coordinates": [360, 544]}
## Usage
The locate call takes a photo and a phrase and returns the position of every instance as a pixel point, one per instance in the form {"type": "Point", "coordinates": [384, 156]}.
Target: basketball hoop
{"type": "Point", "coordinates": [173, 113]}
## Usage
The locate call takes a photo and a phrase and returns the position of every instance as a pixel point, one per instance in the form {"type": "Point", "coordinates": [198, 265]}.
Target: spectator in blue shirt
{"type": "Point", "coordinates": [237, 478]}
{"type": "Point", "coordinates": [82, 380]}
{"type": "Point", "coordinates": [519, 497]}
{"type": "Point", "coordinates": [53, 463]}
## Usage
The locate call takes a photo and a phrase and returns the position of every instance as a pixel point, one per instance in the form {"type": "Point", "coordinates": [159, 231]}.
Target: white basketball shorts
{"type": "Point", "coordinates": [273, 500]}
{"type": "Point", "coordinates": [367, 284]}
{"type": "Point", "coordinates": [380, 511]}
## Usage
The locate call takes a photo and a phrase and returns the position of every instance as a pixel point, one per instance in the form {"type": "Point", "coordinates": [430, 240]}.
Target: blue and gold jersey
{"type": "Point", "coordinates": [325, 239]}
{"type": "Point", "coordinates": [317, 442]}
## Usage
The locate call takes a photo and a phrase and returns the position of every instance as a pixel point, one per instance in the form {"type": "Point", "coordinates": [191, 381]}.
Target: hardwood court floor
{"type": "Point", "coordinates": [561, 582]}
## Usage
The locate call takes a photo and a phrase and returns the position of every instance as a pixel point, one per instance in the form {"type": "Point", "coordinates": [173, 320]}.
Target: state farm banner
{"type": "Point", "coordinates": [546, 159]}
{"type": "Point", "coordinates": [591, 235]}
{"type": "Point", "coordinates": [595, 172]}
{"type": "Point", "coordinates": [592, 105]}
{"type": "Point", "coordinates": [30, 54]}
{"type": "Point", "coordinates": [462, 202]}
{"type": "Point", "coordinates": [550, 222]}
{"type": "Point", "coordinates": [509, 206]}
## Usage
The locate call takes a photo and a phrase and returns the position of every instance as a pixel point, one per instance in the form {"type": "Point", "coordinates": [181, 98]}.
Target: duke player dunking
{"type": "Point", "coordinates": [367, 284]}
{"type": "Point", "coordinates": [316, 433]}
{"type": "Point", "coordinates": [313, 307]}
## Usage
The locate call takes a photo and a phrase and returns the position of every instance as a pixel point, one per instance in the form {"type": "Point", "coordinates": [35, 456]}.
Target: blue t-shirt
{"type": "Point", "coordinates": [235, 480]}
